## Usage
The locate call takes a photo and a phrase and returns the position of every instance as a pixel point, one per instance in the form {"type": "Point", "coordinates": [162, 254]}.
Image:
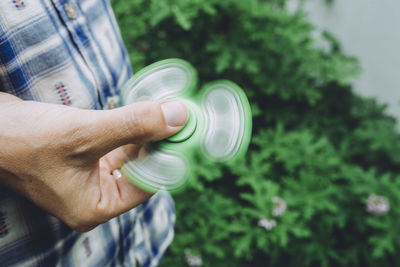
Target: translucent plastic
{"type": "Point", "coordinates": [219, 124]}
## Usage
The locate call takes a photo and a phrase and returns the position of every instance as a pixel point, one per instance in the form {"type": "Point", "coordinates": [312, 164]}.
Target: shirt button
{"type": "Point", "coordinates": [71, 10]}
{"type": "Point", "coordinates": [112, 102]}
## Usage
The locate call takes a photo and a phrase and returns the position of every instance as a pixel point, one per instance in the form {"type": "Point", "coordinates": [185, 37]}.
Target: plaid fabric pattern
{"type": "Point", "coordinates": [71, 53]}
{"type": "Point", "coordinates": [30, 237]}
{"type": "Point", "coordinates": [77, 43]}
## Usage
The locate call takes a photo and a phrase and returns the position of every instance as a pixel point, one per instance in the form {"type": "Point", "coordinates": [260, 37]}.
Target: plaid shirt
{"type": "Point", "coordinates": [71, 53]}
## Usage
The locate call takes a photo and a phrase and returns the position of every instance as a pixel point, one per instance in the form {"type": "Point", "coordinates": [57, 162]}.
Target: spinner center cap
{"type": "Point", "coordinates": [188, 130]}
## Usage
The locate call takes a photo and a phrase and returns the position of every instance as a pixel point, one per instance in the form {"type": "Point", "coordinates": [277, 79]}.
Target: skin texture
{"type": "Point", "coordinates": [62, 158]}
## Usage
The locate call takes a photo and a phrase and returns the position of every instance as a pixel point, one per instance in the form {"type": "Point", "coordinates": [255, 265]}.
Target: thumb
{"type": "Point", "coordinates": [136, 123]}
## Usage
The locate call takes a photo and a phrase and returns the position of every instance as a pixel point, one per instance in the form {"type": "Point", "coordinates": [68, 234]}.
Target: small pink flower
{"type": "Point", "coordinates": [192, 259]}
{"type": "Point", "coordinates": [280, 206]}
{"type": "Point", "coordinates": [267, 224]}
{"type": "Point", "coordinates": [377, 204]}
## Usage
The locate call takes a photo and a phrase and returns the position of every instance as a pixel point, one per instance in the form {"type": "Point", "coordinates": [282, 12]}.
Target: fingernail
{"type": "Point", "coordinates": [175, 113]}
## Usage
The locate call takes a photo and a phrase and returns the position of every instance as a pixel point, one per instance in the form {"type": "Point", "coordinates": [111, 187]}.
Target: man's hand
{"type": "Point", "coordinates": [62, 158]}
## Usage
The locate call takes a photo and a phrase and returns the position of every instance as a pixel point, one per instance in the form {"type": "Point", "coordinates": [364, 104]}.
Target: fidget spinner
{"type": "Point", "coordinates": [219, 124]}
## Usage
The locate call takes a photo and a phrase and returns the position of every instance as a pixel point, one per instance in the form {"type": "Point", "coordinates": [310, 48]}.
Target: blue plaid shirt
{"type": "Point", "coordinates": [71, 53]}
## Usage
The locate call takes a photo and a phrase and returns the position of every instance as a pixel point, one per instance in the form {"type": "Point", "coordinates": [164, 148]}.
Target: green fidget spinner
{"type": "Point", "coordinates": [219, 124]}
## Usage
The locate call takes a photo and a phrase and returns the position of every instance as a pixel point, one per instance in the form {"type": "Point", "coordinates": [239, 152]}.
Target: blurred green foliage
{"type": "Point", "coordinates": [316, 145]}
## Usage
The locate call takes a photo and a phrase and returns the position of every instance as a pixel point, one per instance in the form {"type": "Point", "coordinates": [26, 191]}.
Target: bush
{"type": "Point", "coordinates": [320, 184]}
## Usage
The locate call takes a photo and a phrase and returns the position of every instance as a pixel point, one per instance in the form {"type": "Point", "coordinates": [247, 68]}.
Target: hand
{"type": "Point", "coordinates": [62, 158]}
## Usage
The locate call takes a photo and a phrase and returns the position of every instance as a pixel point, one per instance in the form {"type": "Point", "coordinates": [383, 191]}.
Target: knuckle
{"type": "Point", "coordinates": [80, 224]}
{"type": "Point", "coordinates": [142, 121]}
{"type": "Point", "coordinates": [82, 228]}
{"type": "Point", "coordinates": [76, 139]}
{"type": "Point", "coordinates": [84, 219]}
{"type": "Point", "coordinates": [134, 123]}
